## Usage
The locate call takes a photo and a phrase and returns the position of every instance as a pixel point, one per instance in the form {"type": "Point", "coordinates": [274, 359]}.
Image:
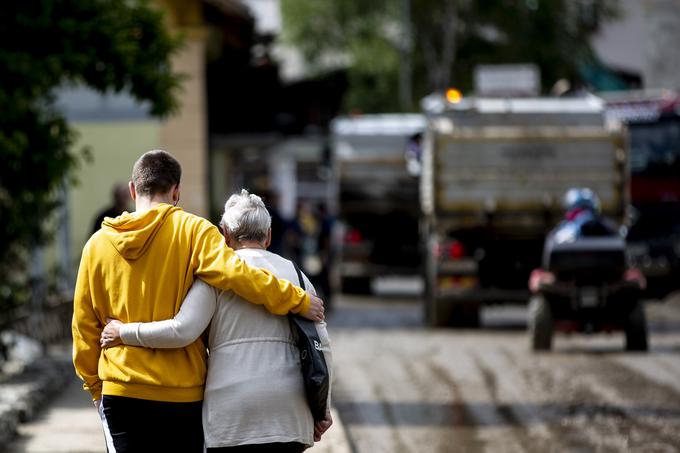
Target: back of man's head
{"type": "Point", "coordinates": [156, 172]}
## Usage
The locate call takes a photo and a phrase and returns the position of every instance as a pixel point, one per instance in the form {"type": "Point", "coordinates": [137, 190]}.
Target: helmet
{"type": "Point", "coordinates": [581, 198]}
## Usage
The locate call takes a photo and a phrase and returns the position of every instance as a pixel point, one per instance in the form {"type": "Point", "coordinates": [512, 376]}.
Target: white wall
{"type": "Point", "coordinates": [621, 44]}
{"type": "Point", "coordinates": [644, 41]}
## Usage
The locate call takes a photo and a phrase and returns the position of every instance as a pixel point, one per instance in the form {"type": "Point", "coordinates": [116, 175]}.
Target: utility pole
{"type": "Point", "coordinates": [406, 45]}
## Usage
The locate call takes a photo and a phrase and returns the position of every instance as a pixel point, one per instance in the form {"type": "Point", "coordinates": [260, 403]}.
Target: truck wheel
{"type": "Point", "coordinates": [540, 324]}
{"type": "Point", "coordinates": [636, 329]}
{"type": "Point", "coordinates": [465, 315]}
{"type": "Point", "coordinates": [356, 285]}
{"type": "Point", "coordinates": [438, 314]}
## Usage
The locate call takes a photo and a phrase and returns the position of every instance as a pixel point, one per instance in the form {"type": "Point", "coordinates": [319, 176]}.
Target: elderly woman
{"type": "Point", "coordinates": [254, 394]}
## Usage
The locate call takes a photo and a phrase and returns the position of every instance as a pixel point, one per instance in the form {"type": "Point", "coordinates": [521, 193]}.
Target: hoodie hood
{"type": "Point", "coordinates": [131, 234]}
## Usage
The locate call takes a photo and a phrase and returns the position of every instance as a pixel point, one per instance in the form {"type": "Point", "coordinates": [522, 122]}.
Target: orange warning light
{"type": "Point", "coordinates": [453, 96]}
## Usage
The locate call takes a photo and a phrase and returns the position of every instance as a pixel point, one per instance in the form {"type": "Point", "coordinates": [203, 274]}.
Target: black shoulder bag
{"type": "Point", "coordinates": [312, 362]}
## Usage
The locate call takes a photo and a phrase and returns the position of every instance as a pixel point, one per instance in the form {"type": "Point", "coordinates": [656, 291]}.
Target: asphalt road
{"type": "Point", "coordinates": [401, 387]}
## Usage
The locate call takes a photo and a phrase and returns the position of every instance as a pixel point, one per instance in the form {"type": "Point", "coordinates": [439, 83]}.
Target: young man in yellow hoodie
{"type": "Point", "coordinates": [139, 267]}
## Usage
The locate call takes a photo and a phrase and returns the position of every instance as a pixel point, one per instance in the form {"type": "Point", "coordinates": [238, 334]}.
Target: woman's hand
{"type": "Point", "coordinates": [322, 426]}
{"type": "Point", "coordinates": [111, 334]}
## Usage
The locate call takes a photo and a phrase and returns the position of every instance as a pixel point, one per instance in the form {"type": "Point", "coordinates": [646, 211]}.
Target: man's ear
{"type": "Point", "coordinates": [268, 241]}
{"type": "Point", "coordinates": [175, 194]}
{"type": "Point", "coordinates": [133, 192]}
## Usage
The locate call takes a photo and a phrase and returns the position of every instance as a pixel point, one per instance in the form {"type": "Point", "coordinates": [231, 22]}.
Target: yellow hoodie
{"type": "Point", "coordinates": [139, 267]}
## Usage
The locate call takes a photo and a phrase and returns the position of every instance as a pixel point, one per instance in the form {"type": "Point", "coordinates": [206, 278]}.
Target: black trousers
{"type": "Point", "coordinates": [144, 426]}
{"type": "Point", "coordinates": [288, 447]}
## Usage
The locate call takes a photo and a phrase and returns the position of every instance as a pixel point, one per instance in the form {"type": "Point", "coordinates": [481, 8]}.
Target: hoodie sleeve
{"type": "Point", "coordinates": [218, 265]}
{"type": "Point", "coordinates": [86, 329]}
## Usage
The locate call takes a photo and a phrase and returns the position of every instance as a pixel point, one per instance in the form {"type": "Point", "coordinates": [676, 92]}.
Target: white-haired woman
{"type": "Point", "coordinates": [254, 394]}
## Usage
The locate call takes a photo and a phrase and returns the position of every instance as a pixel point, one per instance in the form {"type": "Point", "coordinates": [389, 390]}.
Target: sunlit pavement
{"type": "Point", "coordinates": [403, 387]}
{"type": "Point", "coordinates": [70, 423]}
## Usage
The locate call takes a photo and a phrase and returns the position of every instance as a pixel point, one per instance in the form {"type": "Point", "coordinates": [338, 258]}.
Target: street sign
{"type": "Point", "coordinates": [507, 80]}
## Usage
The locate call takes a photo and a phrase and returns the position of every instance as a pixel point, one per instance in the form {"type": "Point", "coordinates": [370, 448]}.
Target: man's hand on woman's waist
{"type": "Point", "coordinates": [315, 312]}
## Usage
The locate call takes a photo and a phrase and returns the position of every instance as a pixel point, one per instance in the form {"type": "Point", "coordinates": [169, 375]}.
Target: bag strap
{"type": "Point", "coordinates": [299, 274]}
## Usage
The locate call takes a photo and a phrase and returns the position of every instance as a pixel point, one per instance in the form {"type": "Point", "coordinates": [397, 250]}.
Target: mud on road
{"type": "Point", "coordinates": [400, 387]}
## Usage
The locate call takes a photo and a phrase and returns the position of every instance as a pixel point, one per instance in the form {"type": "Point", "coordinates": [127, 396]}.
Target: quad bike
{"type": "Point", "coordinates": [586, 286]}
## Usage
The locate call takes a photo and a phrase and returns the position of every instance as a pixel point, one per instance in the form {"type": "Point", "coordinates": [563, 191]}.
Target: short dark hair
{"type": "Point", "coordinates": [156, 172]}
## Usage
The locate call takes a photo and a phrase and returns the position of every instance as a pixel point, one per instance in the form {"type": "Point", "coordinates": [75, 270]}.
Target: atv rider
{"type": "Point", "coordinates": [582, 218]}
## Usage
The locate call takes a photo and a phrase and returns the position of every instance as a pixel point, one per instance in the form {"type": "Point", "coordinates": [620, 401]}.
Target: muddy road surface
{"type": "Point", "coordinates": [401, 387]}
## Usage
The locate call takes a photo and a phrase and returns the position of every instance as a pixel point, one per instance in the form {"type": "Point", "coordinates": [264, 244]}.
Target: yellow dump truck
{"type": "Point", "coordinates": [493, 175]}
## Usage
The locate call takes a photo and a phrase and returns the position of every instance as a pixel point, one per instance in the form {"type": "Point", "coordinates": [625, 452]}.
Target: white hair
{"type": "Point", "coordinates": [246, 218]}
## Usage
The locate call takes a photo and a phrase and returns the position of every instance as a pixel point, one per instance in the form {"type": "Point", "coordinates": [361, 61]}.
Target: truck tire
{"type": "Point", "coordinates": [429, 302]}
{"type": "Point", "coordinates": [356, 285]}
{"type": "Point", "coordinates": [465, 315]}
{"type": "Point", "coordinates": [439, 313]}
{"type": "Point", "coordinates": [636, 329]}
{"type": "Point", "coordinates": [541, 325]}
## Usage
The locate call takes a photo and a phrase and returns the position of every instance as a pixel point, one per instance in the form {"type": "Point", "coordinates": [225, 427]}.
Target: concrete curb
{"type": "Point", "coordinates": [26, 389]}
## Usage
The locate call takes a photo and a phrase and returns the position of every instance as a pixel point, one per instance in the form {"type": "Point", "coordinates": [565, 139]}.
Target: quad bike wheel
{"type": "Point", "coordinates": [636, 329]}
{"type": "Point", "coordinates": [541, 327]}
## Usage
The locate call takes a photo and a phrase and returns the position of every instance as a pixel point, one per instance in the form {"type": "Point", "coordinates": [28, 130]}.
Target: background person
{"type": "Point", "coordinates": [325, 247]}
{"type": "Point", "coordinates": [582, 218]}
{"type": "Point", "coordinates": [120, 200]}
{"type": "Point", "coordinates": [254, 395]}
{"type": "Point", "coordinates": [279, 224]}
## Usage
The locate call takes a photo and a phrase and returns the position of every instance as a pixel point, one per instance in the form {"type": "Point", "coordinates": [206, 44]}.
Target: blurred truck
{"type": "Point", "coordinates": [653, 124]}
{"type": "Point", "coordinates": [376, 199]}
{"type": "Point", "coordinates": [494, 172]}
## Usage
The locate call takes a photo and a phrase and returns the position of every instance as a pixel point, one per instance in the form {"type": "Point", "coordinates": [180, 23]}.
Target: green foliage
{"type": "Point", "coordinates": [445, 40]}
{"type": "Point", "coordinates": [328, 33]}
{"type": "Point", "coordinates": [108, 45]}
{"type": "Point", "coordinates": [373, 75]}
